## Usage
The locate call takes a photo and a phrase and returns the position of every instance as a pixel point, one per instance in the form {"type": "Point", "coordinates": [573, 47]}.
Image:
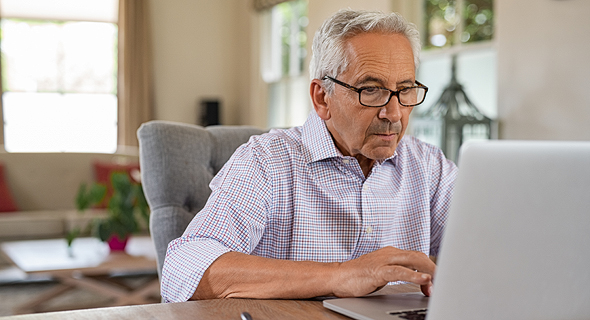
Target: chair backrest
{"type": "Point", "coordinates": [177, 163]}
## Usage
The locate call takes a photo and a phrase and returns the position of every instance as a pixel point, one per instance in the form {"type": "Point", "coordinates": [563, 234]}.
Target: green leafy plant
{"type": "Point", "coordinates": [127, 206]}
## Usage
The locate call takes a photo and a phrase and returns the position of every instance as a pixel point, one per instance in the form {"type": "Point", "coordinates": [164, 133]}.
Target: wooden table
{"type": "Point", "coordinates": [211, 309]}
{"type": "Point", "coordinates": [86, 265]}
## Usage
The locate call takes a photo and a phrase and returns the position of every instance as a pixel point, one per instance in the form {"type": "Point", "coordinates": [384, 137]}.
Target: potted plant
{"type": "Point", "coordinates": [127, 207]}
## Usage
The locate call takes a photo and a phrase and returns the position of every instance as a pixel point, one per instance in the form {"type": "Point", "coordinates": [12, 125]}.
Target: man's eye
{"type": "Point", "coordinates": [405, 90]}
{"type": "Point", "coordinates": [371, 90]}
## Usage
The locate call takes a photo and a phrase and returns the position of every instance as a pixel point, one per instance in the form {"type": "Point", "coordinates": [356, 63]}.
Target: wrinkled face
{"type": "Point", "coordinates": [375, 60]}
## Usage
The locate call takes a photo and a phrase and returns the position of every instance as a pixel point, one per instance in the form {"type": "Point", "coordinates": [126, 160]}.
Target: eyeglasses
{"type": "Point", "coordinates": [380, 96]}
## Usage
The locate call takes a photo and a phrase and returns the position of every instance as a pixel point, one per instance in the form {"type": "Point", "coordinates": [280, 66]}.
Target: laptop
{"type": "Point", "coordinates": [517, 241]}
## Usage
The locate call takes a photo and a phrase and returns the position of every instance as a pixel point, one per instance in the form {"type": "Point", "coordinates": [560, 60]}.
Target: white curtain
{"type": "Point", "coordinates": [135, 87]}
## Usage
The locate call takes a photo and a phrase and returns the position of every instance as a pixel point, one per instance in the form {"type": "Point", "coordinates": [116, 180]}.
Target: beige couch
{"type": "Point", "coordinates": [44, 187]}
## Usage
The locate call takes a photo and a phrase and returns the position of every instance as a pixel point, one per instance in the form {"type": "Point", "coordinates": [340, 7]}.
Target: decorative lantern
{"type": "Point", "coordinates": [452, 120]}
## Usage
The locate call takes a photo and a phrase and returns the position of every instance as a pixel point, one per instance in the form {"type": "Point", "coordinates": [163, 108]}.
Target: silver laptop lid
{"type": "Point", "coordinates": [517, 243]}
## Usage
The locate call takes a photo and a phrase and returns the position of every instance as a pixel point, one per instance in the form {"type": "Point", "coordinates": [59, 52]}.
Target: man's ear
{"type": "Point", "coordinates": [319, 99]}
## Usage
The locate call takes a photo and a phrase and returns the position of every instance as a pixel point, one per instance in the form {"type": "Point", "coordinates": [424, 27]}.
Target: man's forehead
{"type": "Point", "coordinates": [378, 46]}
{"type": "Point", "coordinates": [377, 57]}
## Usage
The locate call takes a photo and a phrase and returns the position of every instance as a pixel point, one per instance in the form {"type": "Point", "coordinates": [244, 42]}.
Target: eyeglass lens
{"type": "Point", "coordinates": [376, 97]}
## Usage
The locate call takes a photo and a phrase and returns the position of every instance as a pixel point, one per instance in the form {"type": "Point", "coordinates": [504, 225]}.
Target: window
{"type": "Point", "coordinates": [59, 81]}
{"type": "Point", "coordinates": [283, 63]}
{"type": "Point", "coordinates": [450, 22]}
{"type": "Point", "coordinates": [464, 28]}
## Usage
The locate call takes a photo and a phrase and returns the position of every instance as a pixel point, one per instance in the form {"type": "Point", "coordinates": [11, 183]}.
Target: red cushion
{"type": "Point", "coordinates": [7, 203]}
{"type": "Point", "coordinates": [104, 170]}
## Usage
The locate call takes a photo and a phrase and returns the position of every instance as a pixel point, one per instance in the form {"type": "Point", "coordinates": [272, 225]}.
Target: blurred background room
{"type": "Point", "coordinates": [79, 77]}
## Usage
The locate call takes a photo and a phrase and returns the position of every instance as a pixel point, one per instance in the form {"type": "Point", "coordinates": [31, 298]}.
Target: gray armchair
{"type": "Point", "coordinates": [177, 163]}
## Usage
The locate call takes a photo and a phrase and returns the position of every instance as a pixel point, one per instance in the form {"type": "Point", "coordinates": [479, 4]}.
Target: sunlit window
{"type": "Point", "coordinates": [449, 22]}
{"type": "Point", "coordinates": [465, 29]}
{"type": "Point", "coordinates": [283, 63]}
{"type": "Point", "coordinates": [59, 86]}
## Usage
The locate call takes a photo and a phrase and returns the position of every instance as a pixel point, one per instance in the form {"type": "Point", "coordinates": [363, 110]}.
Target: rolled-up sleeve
{"type": "Point", "coordinates": [233, 219]}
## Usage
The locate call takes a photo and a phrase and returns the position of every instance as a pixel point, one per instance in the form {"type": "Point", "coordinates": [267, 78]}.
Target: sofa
{"type": "Point", "coordinates": [43, 187]}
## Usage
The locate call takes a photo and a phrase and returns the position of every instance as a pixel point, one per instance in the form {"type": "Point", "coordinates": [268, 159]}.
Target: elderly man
{"type": "Point", "coordinates": [340, 206]}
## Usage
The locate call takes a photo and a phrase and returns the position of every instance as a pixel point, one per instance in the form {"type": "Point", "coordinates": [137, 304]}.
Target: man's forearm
{"type": "Point", "coordinates": [238, 275]}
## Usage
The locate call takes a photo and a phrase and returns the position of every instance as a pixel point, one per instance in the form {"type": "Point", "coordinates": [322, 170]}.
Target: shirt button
{"type": "Point", "coordinates": [369, 229]}
{"type": "Point", "coordinates": [365, 187]}
{"type": "Point", "coordinates": [346, 161]}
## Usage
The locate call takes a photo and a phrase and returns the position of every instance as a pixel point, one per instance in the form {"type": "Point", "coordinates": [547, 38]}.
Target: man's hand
{"type": "Point", "coordinates": [372, 271]}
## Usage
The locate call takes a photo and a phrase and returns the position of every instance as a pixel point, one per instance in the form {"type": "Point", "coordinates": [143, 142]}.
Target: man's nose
{"type": "Point", "coordinates": [391, 111]}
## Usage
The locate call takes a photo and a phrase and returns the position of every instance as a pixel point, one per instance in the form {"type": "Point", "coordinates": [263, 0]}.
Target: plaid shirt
{"type": "Point", "coordinates": [291, 194]}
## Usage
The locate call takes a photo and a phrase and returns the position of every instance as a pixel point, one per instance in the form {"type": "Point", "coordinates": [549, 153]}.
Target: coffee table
{"type": "Point", "coordinates": [88, 265]}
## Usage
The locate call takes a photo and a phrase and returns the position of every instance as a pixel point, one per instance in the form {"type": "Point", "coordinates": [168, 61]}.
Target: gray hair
{"type": "Point", "coordinates": [328, 55]}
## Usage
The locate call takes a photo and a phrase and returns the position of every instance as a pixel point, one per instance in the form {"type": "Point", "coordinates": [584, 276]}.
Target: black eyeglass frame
{"type": "Point", "coordinates": [392, 92]}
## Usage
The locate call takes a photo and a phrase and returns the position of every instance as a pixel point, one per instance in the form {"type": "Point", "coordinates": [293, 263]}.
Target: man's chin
{"type": "Point", "coordinates": [381, 153]}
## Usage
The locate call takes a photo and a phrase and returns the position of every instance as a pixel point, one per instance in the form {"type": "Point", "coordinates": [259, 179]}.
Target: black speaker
{"type": "Point", "coordinates": [210, 112]}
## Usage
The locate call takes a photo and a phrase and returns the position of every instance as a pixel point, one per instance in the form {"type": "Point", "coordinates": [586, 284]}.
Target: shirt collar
{"type": "Point", "coordinates": [318, 141]}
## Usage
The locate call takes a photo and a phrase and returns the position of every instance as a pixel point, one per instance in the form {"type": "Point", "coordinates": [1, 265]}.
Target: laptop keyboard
{"type": "Point", "coordinates": [411, 315]}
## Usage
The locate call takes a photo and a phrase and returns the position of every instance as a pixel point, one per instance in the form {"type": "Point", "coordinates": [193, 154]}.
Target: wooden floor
{"type": "Point", "coordinates": [16, 293]}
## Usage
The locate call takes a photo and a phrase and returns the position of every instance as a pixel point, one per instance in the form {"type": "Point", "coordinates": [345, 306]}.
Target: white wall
{"type": "Point", "coordinates": [543, 69]}
{"type": "Point", "coordinates": [196, 56]}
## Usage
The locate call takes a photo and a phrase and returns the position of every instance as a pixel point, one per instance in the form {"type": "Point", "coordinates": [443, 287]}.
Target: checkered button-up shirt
{"type": "Point", "coordinates": [291, 194]}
